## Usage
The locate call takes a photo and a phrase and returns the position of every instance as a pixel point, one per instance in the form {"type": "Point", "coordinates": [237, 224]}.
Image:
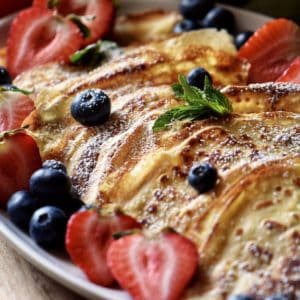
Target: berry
{"type": "Point", "coordinates": [20, 208]}
{"type": "Point", "coordinates": [14, 108]}
{"type": "Point", "coordinates": [8, 7]}
{"type": "Point", "coordinates": [203, 177]}
{"type": "Point", "coordinates": [19, 158]}
{"type": "Point", "coordinates": [271, 49]}
{"type": "Point", "coordinates": [241, 38]}
{"type": "Point", "coordinates": [70, 204]}
{"type": "Point", "coordinates": [4, 76]}
{"type": "Point", "coordinates": [38, 36]}
{"type": "Point", "coordinates": [91, 107]}
{"type": "Point", "coordinates": [241, 297]}
{"type": "Point", "coordinates": [292, 73]}
{"type": "Point", "coordinates": [146, 267]}
{"type": "Point", "coordinates": [87, 239]}
{"type": "Point", "coordinates": [195, 9]}
{"type": "Point", "coordinates": [103, 10]}
{"type": "Point", "coordinates": [49, 185]}
{"type": "Point", "coordinates": [54, 165]}
{"type": "Point", "coordinates": [186, 25]}
{"type": "Point", "coordinates": [197, 76]}
{"type": "Point", "coordinates": [220, 18]}
{"type": "Point", "coordinates": [48, 226]}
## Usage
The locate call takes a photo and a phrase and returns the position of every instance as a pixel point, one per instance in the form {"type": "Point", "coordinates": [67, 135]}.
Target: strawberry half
{"type": "Point", "coordinates": [103, 12]}
{"type": "Point", "coordinates": [292, 73]}
{"type": "Point", "coordinates": [88, 238]}
{"type": "Point", "coordinates": [14, 108]}
{"type": "Point", "coordinates": [147, 267]}
{"type": "Point", "coordinates": [38, 36]}
{"type": "Point", "coordinates": [271, 49]}
{"type": "Point", "coordinates": [19, 158]}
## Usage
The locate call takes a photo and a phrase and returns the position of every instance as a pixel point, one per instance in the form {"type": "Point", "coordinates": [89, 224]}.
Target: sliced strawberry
{"type": "Point", "coordinates": [14, 108]}
{"type": "Point", "coordinates": [292, 73]}
{"type": "Point", "coordinates": [88, 238]}
{"type": "Point", "coordinates": [147, 267]}
{"type": "Point", "coordinates": [271, 49]}
{"type": "Point", "coordinates": [102, 10]}
{"type": "Point", "coordinates": [38, 36]}
{"type": "Point", "coordinates": [19, 158]}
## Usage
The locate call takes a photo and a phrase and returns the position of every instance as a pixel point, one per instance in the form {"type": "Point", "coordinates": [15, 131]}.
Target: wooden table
{"type": "Point", "coordinates": [21, 281]}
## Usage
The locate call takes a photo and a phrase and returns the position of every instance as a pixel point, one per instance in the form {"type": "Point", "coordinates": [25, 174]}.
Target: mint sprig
{"type": "Point", "coordinates": [199, 104]}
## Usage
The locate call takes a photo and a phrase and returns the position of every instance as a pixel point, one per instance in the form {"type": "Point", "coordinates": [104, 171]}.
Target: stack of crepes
{"type": "Point", "coordinates": [248, 228]}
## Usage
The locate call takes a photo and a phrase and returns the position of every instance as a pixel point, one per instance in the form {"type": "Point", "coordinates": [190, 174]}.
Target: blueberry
{"type": "Point", "coordinates": [4, 76]}
{"type": "Point", "coordinates": [91, 107]}
{"type": "Point", "coordinates": [219, 18]}
{"type": "Point", "coordinates": [241, 297]}
{"type": "Point", "coordinates": [235, 2]}
{"type": "Point", "coordinates": [241, 38]}
{"type": "Point", "coordinates": [48, 226]}
{"type": "Point", "coordinates": [203, 177]}
{"type": "Point", "coordinates": [195, 9]}
{"type": "Point", "coordinates": [70, 204]}
{"type": "Point", "coordinates": [20, 208]}
{"type": "Point", "coordinates": [186, 25]}
{"type": "Point", "coordinates": [54, 164]}
{"type": "Point", "coordinates": [280, 297]}
{"type": "Point", "coordinates": [196, 77]}
{"type": "Point", "coordinates": [49, 184]}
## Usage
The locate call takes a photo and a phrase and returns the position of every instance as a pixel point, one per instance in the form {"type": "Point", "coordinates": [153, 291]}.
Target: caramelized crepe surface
{"type": "Point", "coordinates": [247, 228]}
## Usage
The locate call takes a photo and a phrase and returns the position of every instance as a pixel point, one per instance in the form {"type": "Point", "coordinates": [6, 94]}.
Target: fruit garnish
{"type": "Point", "coordinates": [20, 207]}
{"type": "Point", "coordinates": [54, 165]}
{"type": "Point", "coordinates": [91, 107]}
{"type": "Point", "coordinates": [50, 184]}
{"type": "Point", "coordinates": [14, 108]}
{"type": "Point", "coordinates": [196, 77]}
{"type": "Point", "coordinates": [292, 73]}
{"type": "Point", "coordinates": [38, 36]}
{"type": "Point", "coordinates": [199, 104]}
{"type": "Point", "coordinates": [220, 18]}
{"type": "Point", "coordinates": [48, 226]}
{"type": "Point", "coordinates": [271, 49]}
{"type": "Point", "coordinates": [88, 238]}
{"type": "Point", "coordinates": [19, 158]}
{"type": "Point", "coordinates": [8, 7]}
{"type": "Point", "coordinates": [146, 267]}
{"type": "Point", "coordinates": [4, 76]}
{"type": "Point", "coordinates": [102, 11]}
{"type": "Point", "coordinates": [195, 9]}
{"type": "Point", "coordinates": [241, 38]}
{"type": "Point", "coordinates": [203, 177]}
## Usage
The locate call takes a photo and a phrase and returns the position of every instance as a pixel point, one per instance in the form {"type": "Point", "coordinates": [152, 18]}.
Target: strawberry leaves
{"type": "Point", "coordinates": [199, 104]}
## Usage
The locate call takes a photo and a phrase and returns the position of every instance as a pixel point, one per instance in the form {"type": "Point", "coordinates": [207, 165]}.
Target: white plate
{"type": "Point", "coordinates": [60, 268]}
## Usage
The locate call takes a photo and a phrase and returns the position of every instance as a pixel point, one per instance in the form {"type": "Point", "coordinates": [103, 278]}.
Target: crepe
{"type": "Point", "coordinates": [247, 227]}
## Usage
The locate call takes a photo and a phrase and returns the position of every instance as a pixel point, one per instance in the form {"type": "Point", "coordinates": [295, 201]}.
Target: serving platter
{"type": "Point", "coordinates": [55, 265]}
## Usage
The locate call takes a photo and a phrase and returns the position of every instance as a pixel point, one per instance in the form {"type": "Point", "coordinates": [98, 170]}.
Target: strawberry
{"type": "Point", "coordinates": [292, 73]}
{"type": "Point", "coordinates": [271, 50]}
{"type": "Point", "coordinates": [8, 7]}
{"type": "Point", "coordinates": [102, 10]}
{"type": "Point", "coordinates": [14, 108]}
{"type": "Point", "coordinates": [147, 267]}
{"type": "Point", "coordinates": [19, 158]}
{"type": "Point", "coordinates": [38, 36]}
{"type": "Point", "coordinates": [88, 238]}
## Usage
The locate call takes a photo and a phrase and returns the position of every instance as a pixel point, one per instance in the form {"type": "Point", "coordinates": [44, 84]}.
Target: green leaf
{"type": "Point", "coordinates": [52, 3]}
{"type": "Point", "coordinates": [95, 54]}
{"type": "Point", "coordinates": [199, 103]}
{"type": "Point", "coordinates": [78, 20]}
{"type": "Point", "coordinates": [13, 88]}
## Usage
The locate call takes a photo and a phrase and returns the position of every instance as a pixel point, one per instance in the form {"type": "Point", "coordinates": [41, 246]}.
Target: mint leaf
{"type": "Point", "coordinates": [199, 103]}
{"type": "Point", "coordinates": [95, 54]}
